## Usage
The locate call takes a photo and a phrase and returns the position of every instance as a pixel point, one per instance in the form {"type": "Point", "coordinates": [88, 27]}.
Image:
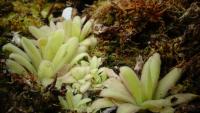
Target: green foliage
{"type": "Point", "coordinates": [54, 50]}
{"type": "Point", "coordinates": [85, 75]}
{"type": "Point", "coordinates": [74, 102]}
{"type": "Point", "coordinates": [59, 50]}
{"type": "Point", "coordinates": [132, 94]}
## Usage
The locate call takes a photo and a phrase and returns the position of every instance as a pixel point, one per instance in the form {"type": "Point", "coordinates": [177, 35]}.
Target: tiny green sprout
{"type": "Point", "coordinates": [73, 102]}
{"type": "Point", "coordinates": [132, 94]}
{"type": "Point", "coordinates": [57, 47]}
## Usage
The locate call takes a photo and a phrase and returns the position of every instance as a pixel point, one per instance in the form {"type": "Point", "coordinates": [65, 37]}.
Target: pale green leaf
{"type": "Point", "coordinates": [37, 33]}
{"type": "Point", "coordinates": [117, 95]}
{"type": "Point", "coordinates": [12, 48]}
{"type": "Point", "coordinates": [95, 62]}
{"type": "Point", "coordinates": [24, 62]}
{"type": "Point", "coordinates": [83, 101]}
{"type": "Point", "coordinates": [67, 25]}
{"type": "Point", "coordinates": [67, 78]}
{"type": "Point", "coordinates": [63, 102]}
{"type": "Point", "coordinates": [46, 30]}
{"type": "Point", "coordinates": [14, 67]}
{"type": "Point", "coordinates": [91, 41]}
{"type": "Point", "coordinates": [61, 53]}
{"type": "Point", "coordinates": [155, 65]}
{"type": "Point", "coordinates": [76, 99]}
{"type": "Point", "coordinates": [101, 103]}
{"type": "Point", "coordinates": [71, 52]}
{"type": "Point", "coordinates": [79, 57]}
{"type": "Point", "coordinates": [180, 98]}
{"type": "Point", "coordinates": [127, 108]}
{"type": "Point", "coordinates": [46, 70]}
{"type": "Point", "coordinates": [46, 81]}
{"type": "Point", "coordinates": [84, 87]}
{"type": "Point", "coordinates": [79, 72]}
{"type": "Point", "coordinates": [82, 49]}
{"type": "Point", "coordinates": [118, 90]}
{"type": "Point", "coordinates": [76, 26]}
{"type": "Point", "coordinates": [87, 28]}
{"type": "Point", "coordinates": [69, 98]}
{"type": "Point", "coordinates": [130, 79]}
{"type": "Point", "coordinates": [42, 42]}
{"type": "Point", "coordinates": [155, 105]}
{"type": "Point", "coordinates": [146, 81]}
{"type": "Point", "coordinates": [83, 19]}
{"type": "Point", "coordinates": [167, 82]}
{"type": "Point", "coordinates": [32, 51]}
{"type": "Point", "coordinates": [53, 44]}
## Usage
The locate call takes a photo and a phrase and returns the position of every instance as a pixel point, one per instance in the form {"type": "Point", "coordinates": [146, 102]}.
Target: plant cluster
{"type": "Point", "coordinates": [60, 52]}
{"type": "Point", "coordinates": [75, 102]}
{"type": "Point", "coordinates": [83, 78]}
{"type": "Point", "coordinates": [132, 94]}
{"type": "Point", "coordinates": [86, 75]}
{"type": "Point", "coordinates": [51, 54]}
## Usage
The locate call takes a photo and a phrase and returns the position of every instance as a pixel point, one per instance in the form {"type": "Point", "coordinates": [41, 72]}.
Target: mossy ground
{"type": "Point", "coordinates": [171, 28]}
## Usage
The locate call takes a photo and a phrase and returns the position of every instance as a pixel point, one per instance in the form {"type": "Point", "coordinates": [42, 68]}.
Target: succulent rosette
{"type": "Point", "coordinates": [131, 94]}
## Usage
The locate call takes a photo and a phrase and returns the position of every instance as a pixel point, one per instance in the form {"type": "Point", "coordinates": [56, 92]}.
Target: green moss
{"type": "Point", "coordinates": [22, 16]}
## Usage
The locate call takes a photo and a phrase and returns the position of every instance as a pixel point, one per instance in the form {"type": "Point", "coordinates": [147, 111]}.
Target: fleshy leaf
{"type": "Point", "coordinates": [146, 80]}
{"type": "Point", "coordinates": [46, 70]}
{"type": "Point", "coordinates": [79, 57]}
{"type": "Point", "coordinates": [95, 62]}
{"type": "Point", "coordinates": [76, 99]}
{"type": "Point", "coordinates": [37, 33]}
{"type": "Point", "coordinates": [71, 51]}
{"type": "Point", "coordinates": [32, 51]}
{"type": "Point", "coordinates": [114, 94]}
{"type": "Point", "coordinates": [69, 98]}
{"type": "Point", "coordinates": [42, 42]}
{"type": "Point", "coordinates": [64, 79]}
{"type": "Point", "coordinates": [22, 61]}
{"type": "Point", "coordinates": [82, 49]}
{"type": "Point", "coordinates": [155, 105]}
{"type": "Point", "coordinates": [83, 101]}
{"type": "Point", "coordinates": [14, 67]}
{"type": "Point", "coordinates": [12, 48]}
{"type": "Point", "coordinates": [115, 87]}
{"type": "Point", "coordinates": [86, 29]}
{"type": "Point", "coordinates": [79, 72]}
{"type": "Point", "coordinates": [101, 103]}
{"type": "Point", "coordinates": [67, 25]}
{"type": "Point", "coordinates": [155, 65]}
{"type": "Point", "coordinates": [53, 44]}
{"type": "Point", "coordinates": [46, 30]}
{"type": "Point", "coordinates": [63, 102]}
{"type": "Point", "coordinates": [85, 87]}
{"type": "Point", "coordinates": [76, 26]}
{"type": "Point", "coordinates": [180, 98]}
{"type": "Point", "coordinates": [91, 41]}
{"type": "Point", "coordinates": [167, 82]}
{"type": "Point", "coordinates": [127, 108]}
{"type": "Point", "coordinates": [61, 53]}
{"type": "Point", "coordinates": [132, 82]}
